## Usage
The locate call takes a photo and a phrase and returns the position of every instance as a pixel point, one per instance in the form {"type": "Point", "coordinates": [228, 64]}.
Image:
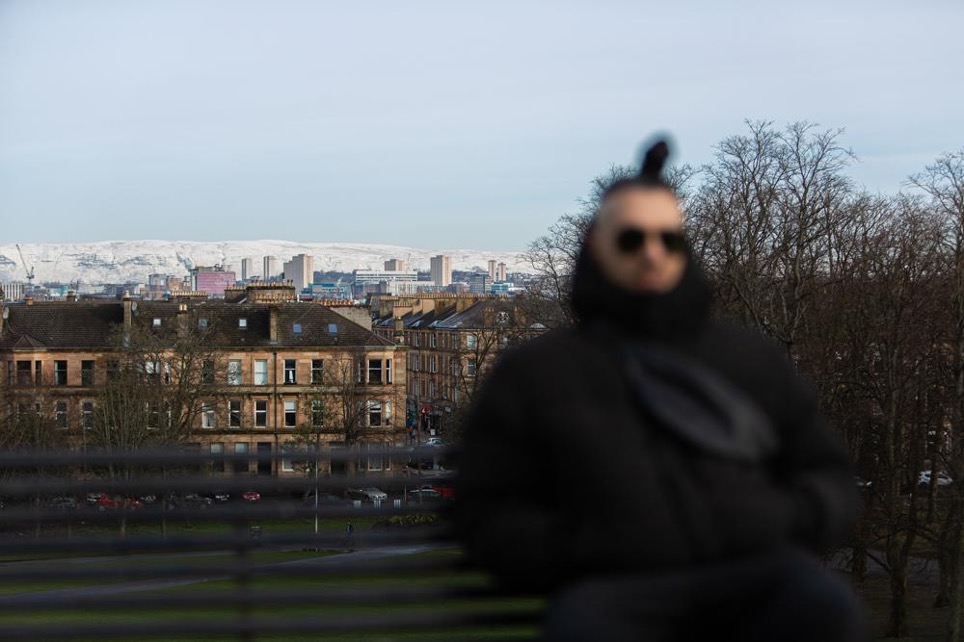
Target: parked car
{"type": "Point", "coordinates": [421, 464]}
{"type": "Point", "coordinates": [324, 499]}
{"type": "Point", "coordinates": [924, 479]}
{"type": "Point", "coordinates": [447, 492]}
{"type": "Point", "coordinates": [221, 496]}
{"type": "Point", "coordinates": [251, 496]}
{"type": "Point", "coordinates": [433, 441]}
{"type": "Point", "coordinates": [197, 499]}
{"type": "Point", "coordinates": [366, 494]}
{"type": "Point", "coordinates": [106, 502]}
{"type": "Point", "coordinates": [63, 502]}
{"type": "Point", "coordinates": [424, 494]}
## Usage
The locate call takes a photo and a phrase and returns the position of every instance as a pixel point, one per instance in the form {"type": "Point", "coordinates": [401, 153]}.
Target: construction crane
{"type": "Point", "coordinates": [28, 270]}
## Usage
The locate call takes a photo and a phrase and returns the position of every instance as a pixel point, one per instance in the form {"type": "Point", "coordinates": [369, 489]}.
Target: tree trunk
{"type": "Point", "coordinates": [953, 631]}
{"type": "Point", "coordinates": [897, 622]}
{"type": "Point", "coordinates": [947, 558]}
{"type": "Point", "coordinates": [858, 564]}
{"type": "Point", "coordinates": [897, 557]}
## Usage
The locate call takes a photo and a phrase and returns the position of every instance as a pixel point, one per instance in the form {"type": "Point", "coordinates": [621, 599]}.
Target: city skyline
{"type": "Point", "coordinates": [111, 262]}
{"type": "Point", "coordinates": [430, 123]}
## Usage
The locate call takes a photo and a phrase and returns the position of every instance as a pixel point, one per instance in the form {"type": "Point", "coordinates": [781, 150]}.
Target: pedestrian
{"type": "Point", "coordinates": [659, 474]}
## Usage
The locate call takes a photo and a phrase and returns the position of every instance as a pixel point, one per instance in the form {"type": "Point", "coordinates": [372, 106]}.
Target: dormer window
{"type": "Point", "coordinates": [243, 323]}
{"type": "Point", "coordinates": [296, 328]}
{"type": "Point", "coordinates": [156, 323]}
{"type": "Point", "coordinates": [202, 323]}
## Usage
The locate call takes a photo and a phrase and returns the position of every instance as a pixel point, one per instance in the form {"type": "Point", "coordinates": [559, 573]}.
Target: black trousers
{"type": "Point", "coordinates": [786, 596]}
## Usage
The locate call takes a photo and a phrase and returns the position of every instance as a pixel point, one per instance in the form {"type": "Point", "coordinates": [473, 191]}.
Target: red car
{"type": "Point", "coordinates": [106, 502]}
{"type": "Point", "coordinates": [251, 496]}
{"type": "Point", "coordinates": [447, 492]}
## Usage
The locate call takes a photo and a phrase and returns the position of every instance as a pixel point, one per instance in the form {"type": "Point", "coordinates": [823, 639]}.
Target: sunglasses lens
{"type": "Point", "coordinates": [674, 241]}
{"type": "Point", "coordinates": [629, 240]}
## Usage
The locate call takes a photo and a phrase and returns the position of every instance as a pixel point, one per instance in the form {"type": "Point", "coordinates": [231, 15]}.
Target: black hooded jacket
{"type": "Point", "coordinates": [647, 438]}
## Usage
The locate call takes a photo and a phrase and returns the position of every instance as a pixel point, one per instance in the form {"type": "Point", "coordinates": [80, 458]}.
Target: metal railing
{"type": "Point", "coordinates": [99, 546]}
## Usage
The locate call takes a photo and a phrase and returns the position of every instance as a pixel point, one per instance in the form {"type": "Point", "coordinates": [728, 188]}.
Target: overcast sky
{"type": "Point", "coordinates": [430, 124]}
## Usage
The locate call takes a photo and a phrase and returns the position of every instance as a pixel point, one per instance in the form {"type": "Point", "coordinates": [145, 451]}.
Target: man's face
{"type": "Point", "coordinates": [635, 240]}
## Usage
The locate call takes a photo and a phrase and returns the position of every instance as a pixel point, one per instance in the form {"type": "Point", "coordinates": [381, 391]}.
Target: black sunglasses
{"type": "Point", "coordinates": [630, 239]}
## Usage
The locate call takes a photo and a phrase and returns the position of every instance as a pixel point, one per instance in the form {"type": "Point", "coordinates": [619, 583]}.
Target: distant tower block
{"type": "Point", "coordinates": [500, 273]}
{"type": "Point", "coordinates": [441, 268]}
{"type": "Point", "coordinates": [300, 270]}
{"type": "Point", "coordinates": [395, 265]}
{"type": "Point", "coordinates": [270, 267]}
{"type": "Point", "coordinates": [491, 270]}
{"type": "Point", "coordinates": [247, 269]}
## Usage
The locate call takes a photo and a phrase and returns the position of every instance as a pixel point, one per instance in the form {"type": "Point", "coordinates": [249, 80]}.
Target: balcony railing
{"type": "Point", "coordinates": [101, 546]}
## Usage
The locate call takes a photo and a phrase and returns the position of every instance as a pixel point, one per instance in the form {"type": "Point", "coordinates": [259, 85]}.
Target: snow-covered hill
{"type": "Point", "coordinates": [122, 261]}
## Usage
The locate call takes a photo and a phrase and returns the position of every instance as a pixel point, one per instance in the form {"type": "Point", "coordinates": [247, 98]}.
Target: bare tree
{"type": "Point", "coordinates": [342, 396]}
{"type": "Point", "coordinates": [943, 183]}
{"type": "Point", "coordinates": [500, 325]}
{"type": "Point", "coordinates": [902, 271]}
{"type": "Point", "coordinates": [762, 222]}
{"type": "Point", "coordinates": [158, 384]}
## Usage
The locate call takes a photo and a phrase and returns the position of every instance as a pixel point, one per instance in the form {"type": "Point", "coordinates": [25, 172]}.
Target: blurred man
{"type": "Point", "coordinates": [661, 475]}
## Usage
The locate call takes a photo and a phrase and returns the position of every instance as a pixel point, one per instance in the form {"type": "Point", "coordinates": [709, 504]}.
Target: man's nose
{"type": "Point", "coordinates": [653, 249]}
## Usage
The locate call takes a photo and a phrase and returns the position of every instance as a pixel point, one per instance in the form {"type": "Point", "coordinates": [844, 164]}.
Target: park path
{"type": "Point", "coordinates": [66, 594]}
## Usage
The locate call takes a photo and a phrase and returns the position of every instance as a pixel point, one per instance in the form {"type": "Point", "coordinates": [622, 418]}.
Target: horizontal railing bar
{"type": "Point", "coordinates": [230, 541]}
{"type": "Point", "coordinates": [178, 457]}
{"type": "Point", "coordinates": [43, 601]}
{"type": "Point", "coordinates": [29, 489]}
{"type": "Point", "coordinates": [241, 625]}
{"type": "Point", "coordinates": [425, 566]}
{"type": "Point", "coordinates": [216, 513]}
{"type": "Point", "coordinates": [40, 485]}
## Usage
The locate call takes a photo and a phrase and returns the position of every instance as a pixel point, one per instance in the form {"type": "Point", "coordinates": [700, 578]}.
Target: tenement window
{"type": "Point", "coordinates": [234, 372]}
{"type": "Point", "coordinates": [87, 373]}
{"type": "Point", "coordinates": [60, 373]}
{"type": "Point", "coordinates": [60, 411]}
{"type": "Point", "coordinates": [261, 372]}
{"type": "Point", "coordinates": [374, 371]}
{"type": "Point", "coordinates": [234, 413]}
{"type": "Point", "coordinates": [291, 414]}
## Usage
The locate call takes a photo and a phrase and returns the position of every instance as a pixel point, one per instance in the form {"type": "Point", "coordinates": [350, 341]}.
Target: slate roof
{"type": "Point", "coordinates": [449, 318]}
{"type": "Point", "coordinates": [92, 325]}
{"type": "Point", "coordinates": [47, 325]}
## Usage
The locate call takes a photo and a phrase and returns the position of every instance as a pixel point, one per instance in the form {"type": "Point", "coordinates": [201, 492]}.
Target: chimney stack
{"type": "Point", "coordinates": [128, 310]}
{"type": "Point", "coordinates": [273, 324]}
{"type": "Point", "coordinates": [71, 296]}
